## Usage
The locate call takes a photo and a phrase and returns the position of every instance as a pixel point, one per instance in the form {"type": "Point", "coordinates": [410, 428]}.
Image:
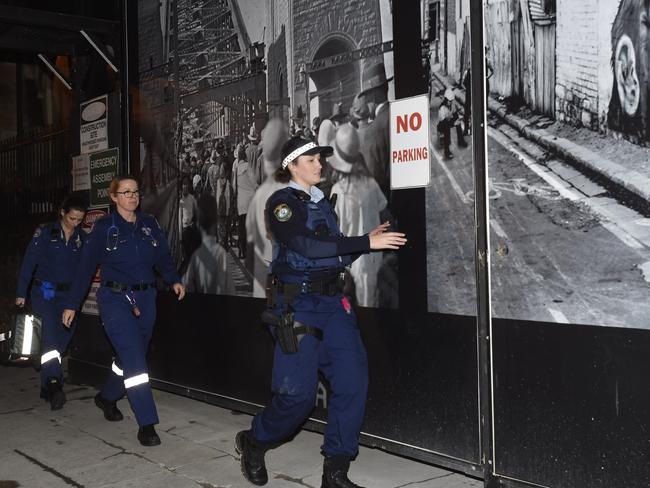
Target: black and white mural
{"type": "Point", "coordinates": [223, 84]}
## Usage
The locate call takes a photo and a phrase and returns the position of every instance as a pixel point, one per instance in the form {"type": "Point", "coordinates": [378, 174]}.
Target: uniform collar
{"type": "Point", "coordinates": [314, 192]}
{"type": "Point", "coordinates": [119, 218]}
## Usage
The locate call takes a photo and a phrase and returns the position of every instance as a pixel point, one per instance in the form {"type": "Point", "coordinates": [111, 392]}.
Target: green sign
{"type": "Point", "coordinates": [103, 168]}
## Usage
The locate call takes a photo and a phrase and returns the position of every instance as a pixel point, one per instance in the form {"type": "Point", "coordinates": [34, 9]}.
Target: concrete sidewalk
{"type": "Point", "coordinates": [618, 161]}
{"type": "Point", "coordinates": [76, 447]}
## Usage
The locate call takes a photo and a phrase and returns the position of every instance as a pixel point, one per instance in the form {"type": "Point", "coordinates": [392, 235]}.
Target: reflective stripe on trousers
{"type": "Point", "coordinates": [136, 380]}
{"type": "Point", "coordinates": [48, 356]}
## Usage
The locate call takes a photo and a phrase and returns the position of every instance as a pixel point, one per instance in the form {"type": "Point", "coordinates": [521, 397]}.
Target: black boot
{"type": "Point", "coordinates": [111, 412]}
{"type": "Point", "coordinates": [147, 436]}
{"type": "Point", "coordinates": [335, 473]}
{"type": "Point", "coordinates": [252, 458]}
{"type": "Point", "coordinates": [53, 392]}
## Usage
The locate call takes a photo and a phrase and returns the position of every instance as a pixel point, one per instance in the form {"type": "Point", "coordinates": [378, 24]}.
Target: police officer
{"type": "Point", "coordinates": [52, 257]}
{"type": "Point", "coordinates": [127, 245]}
{"type": "Point", "coordinates": [312, 320]}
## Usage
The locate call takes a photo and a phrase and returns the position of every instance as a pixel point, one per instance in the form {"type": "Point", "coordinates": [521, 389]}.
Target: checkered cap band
{"type": "Point", "coordinates": [297, 152]}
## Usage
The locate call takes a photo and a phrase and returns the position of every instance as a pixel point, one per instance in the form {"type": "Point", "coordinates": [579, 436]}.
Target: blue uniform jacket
{"type": "Point", "coordinates": [50, 256]}
{"type": "Point", "coordinates": [127, 253]}
{"type": "Point", "coordinates": [307, 240]}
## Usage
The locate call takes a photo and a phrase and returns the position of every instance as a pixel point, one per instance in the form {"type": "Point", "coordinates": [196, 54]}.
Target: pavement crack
{"type": "Point", "coordinates": [69, 481]}
{"type": "Point", "coordinates": [9, 412]}
{"type": "Point", "coordinates": [411, 483]}
{"type": "Point", "coordinates": [298, 481]}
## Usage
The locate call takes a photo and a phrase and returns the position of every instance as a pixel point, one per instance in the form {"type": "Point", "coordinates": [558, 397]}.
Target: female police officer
{"type": "Point", "coordinates": [53, 253]}
{"type": "Point", "coordinates": [127, 245]}
{"type": "Point", "coordinates": [312, 319]}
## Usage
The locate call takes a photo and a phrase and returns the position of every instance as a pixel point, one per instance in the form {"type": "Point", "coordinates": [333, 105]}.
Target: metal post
{"type": "Point", "coordinates": [479, 152]}
{"type": "Point", "coordinates": [124, 92]}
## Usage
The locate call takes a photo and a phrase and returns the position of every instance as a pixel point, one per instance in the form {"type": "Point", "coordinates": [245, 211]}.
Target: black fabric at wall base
{"type": "Point", "coordinates": [572, 404]}
{"type": "Point", "coordinates": [423, 389]}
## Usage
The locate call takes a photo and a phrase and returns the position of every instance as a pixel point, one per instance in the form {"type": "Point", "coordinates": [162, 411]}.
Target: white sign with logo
{"type": "Point", "coordinates": [409, 143]}
{"type": "Point", "coordinates": [94, 124]}
{"type": "Point", "coordinates": [80, 172]}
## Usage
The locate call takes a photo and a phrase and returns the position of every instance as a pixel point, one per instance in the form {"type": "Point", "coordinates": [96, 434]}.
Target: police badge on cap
{"type": "Point", "coordinates": [297, 146]}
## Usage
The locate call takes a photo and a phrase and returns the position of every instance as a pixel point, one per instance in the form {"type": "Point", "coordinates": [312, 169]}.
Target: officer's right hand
{"type": "Point", "coordinates": [20, 301]}
{"type": "Point", "coordinates": [68, 317]}
{"type": "Point", "coordinates": [387, 240]}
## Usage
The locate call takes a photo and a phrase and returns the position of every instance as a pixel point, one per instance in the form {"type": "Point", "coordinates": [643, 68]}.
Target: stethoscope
{"type": "Point", "coordinates": [113, 235]}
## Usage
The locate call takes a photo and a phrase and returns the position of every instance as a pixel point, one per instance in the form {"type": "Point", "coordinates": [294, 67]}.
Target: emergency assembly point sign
{"type": "Point", "coordinates": [409, 143]}
{"type": "Point", "coordinates": [103, 168]}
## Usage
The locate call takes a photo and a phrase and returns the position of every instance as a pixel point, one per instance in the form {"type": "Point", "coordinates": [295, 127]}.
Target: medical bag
{"type": "Point", "coordinates": [23, 340]}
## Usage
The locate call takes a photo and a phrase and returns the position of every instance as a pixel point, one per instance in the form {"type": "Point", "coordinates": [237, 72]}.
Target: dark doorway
{"type": "Point", "coordinates": [339, 84]}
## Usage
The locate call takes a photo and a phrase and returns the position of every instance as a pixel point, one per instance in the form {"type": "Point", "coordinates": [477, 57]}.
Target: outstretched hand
{"type": "Point", "coordinates": [380, 239]}
{"type": "Point", "coordinates": [380, 229]}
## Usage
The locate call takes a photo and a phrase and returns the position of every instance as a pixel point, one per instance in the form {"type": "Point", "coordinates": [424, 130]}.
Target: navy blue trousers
{"type": "Point", "coordinates": [55, 336]}
{"type": "Point", "coordinates": [341, 357]}
{"type": "Point", "coordinates": [129, 336]}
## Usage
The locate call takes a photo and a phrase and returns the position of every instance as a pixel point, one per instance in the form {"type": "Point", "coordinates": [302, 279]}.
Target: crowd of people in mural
{"type": "Point", "coordinates": [225, 186]}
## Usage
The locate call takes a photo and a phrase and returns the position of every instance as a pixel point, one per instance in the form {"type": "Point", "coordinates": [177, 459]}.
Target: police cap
{"type": "Point", "coordinates": [298, 146]}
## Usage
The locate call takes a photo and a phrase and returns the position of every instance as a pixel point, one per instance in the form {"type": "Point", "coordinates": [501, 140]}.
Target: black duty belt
{"type": "Point", "coordinates": [57, 286]}
{"type": "Point", "coordinates": [120, 287]}
{"type": "Point", "coordinates": [327, 286]}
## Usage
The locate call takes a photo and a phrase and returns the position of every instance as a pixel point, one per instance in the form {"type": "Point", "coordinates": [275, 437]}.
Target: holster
{"type": "Point", "coordinates": [288, 332]}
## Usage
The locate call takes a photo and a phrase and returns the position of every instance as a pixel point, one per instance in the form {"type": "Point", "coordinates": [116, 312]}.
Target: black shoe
{"type": "Point", "coordinates": [111, 412]}
{"type": "Point", "coordinates": [252, 458]}
{"type": "Point", "coordinates": [147, 436]}
{"type": "Point", "coordinates": [53, 392]}
{"type": "Point", "coordinates": [335, 473]}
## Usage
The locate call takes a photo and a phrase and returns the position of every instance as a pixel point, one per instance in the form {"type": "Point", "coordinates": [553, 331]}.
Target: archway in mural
{"type": "Point", "coordinates": [339, 84]}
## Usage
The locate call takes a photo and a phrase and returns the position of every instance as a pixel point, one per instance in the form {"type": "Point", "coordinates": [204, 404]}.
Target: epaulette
{"type": "Point", "coordinates": [301, 195]}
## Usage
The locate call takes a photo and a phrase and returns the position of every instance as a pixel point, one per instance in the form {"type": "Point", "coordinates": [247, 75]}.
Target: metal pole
{"type": "Point", "coordinates": [484, 326]}
{"type": "Point", "coordinates": [124, 92]}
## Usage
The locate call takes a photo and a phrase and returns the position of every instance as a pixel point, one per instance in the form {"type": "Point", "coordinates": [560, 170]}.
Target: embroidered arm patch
{"type": "Point", "coordinates": [282, 212]}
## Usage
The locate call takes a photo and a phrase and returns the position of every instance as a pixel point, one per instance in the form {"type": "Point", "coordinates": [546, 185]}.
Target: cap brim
{"type": "Point", "coordinates": [326, 151]}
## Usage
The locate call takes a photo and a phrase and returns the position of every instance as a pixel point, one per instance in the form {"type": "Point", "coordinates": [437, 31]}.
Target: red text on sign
{"type": "Point", "coordinates": [406, 155]}
{"type": "Point", "coordinates": [406, 122]}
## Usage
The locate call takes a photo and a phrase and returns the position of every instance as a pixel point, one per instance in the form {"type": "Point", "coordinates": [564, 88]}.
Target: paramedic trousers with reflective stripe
{"type": "Point", "coordinates": [341, 357]}
{"type": "Point", "coordinates": [129, 336]}
{"type": "Point", "coordinates": [55, 336]}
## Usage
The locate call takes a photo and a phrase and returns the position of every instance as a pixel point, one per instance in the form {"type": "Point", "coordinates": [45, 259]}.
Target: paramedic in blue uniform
{"type": "Point", "coordinates": [51, 258]}
{"type": "Point", "coordinates": [127, 245]}
{"type": "Point", "coordinates": [312, 320]}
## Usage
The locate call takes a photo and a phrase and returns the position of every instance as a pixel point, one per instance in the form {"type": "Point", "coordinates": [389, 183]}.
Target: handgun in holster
{"type": "Point", "coordinates": [289, 332]}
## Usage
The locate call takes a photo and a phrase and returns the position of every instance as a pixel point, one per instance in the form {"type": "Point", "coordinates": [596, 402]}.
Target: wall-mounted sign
{"type": "Point", "coordinates": [80, 172]}
{"type": "Point", "coordinates": [93, 128]}
{"type": "Point", "coordinates": [409, 143]}
{"type": "Point", "coordinates": [103, 168]}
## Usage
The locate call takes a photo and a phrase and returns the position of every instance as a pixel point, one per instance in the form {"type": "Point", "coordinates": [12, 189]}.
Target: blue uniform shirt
{"type": "Point", "coordinates": [50, 256]}
{"type": "Point", "coordinates": [307, 240]}
{"type": "Point", "coordinates": [127, 253]}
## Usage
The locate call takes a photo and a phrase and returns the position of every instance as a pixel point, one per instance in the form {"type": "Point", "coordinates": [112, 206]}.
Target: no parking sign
{"type": "Point", "coordinates": [409, 143]}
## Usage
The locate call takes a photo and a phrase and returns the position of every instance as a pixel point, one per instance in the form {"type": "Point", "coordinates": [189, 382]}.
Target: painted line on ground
{"type": "Point", "coordinates": [558, 316]}
{"type": "Point", "coordinates": [452, 180]}
{"type": "Point", "coordinates": [498, 230]}
{"type": "Point", "coordinates": [568, 193]}
{"type": "Point", "coordinates": [536, 168]}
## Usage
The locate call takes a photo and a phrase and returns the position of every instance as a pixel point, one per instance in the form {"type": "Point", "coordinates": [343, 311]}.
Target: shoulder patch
{"type": "Point", "coordinates": [282, 212]}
